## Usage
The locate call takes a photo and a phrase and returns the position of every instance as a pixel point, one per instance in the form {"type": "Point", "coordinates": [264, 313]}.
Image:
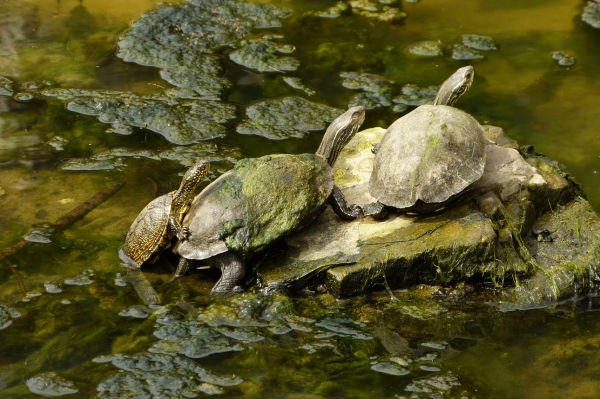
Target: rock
{"type": "Point", "coordinates": [564, 245]}
{"type": "Point", "coordinates": [518, 221]}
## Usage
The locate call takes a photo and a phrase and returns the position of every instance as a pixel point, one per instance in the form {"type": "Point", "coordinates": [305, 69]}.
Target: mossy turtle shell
{"type": "Point", "coordinates": [259, 201]}
{"type": "Point", "coordinates": [148, 233]}
{"type": "Point", "coordinates": [430, 154]}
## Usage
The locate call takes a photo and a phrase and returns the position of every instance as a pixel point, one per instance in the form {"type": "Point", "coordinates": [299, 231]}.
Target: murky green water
{"type": "Point", "coordinates": [316, 347]}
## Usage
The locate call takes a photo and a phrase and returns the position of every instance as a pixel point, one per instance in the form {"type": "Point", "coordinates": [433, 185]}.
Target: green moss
{"type": "Point", "coordinates": [272, 196]}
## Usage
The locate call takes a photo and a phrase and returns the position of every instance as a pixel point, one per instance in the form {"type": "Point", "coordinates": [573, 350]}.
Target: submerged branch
{"type": "Point", "coordinates": [76, 213]}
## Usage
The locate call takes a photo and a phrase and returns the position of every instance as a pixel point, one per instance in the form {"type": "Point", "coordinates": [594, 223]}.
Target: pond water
{"type": "Point", "coordinates": [68, 307]}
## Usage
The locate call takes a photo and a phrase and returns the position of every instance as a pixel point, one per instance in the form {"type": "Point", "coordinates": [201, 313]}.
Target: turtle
{"type": "Point", "coordinates": [430, 156]}
{"type": "Point", "coordinates": [261, 200]}
{"type": "Point", "coordinates": [160, 221]}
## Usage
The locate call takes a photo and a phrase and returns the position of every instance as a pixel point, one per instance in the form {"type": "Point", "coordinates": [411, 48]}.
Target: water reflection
{"type": "Point", "coordinates": [12, 26]}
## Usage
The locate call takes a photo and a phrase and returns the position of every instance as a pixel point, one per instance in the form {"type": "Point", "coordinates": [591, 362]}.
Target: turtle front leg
{"type": "Point", "coordinates": [183, 267]}
{"type": "Point", "coordinates": [232, 269]}
{"type": "Point", "coordinates": [181, 232]}
{"type": "Point", "coordinates": [376, 210]}
{"type": "Point", "coordinates": [341, 208]}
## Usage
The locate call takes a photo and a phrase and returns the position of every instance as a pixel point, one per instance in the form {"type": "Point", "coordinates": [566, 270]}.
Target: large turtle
{"type": "Point", "coordinates": [428, 157]}
{"type": "Point", "coordinates": [261, 200]}
{"type": "Point", "coordinates": [160, 220]}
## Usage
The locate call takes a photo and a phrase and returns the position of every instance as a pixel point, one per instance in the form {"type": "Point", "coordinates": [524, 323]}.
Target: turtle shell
{"type": "Point", "coordinates": [428, 156]}
{"type": "Point", "coordinates": [259, 201]}
{"type": "Point", "coordinates": [148, 234]}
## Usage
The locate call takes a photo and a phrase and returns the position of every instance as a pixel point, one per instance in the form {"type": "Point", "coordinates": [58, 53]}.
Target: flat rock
{"type": "Point", "coordinates": [489, 235]}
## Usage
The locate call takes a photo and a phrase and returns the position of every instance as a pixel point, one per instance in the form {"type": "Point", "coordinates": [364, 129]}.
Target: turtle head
{"type": "Point", "coordinates": [455, 86]}
{"type": "Point", "coordinates": [339, 133]}
{"type": "Point", "coordinates": [191, 179]}
{"type": "Point", "coordinates": [196, 173]}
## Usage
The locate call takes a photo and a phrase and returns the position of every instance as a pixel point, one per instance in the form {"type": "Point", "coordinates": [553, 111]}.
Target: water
{"type": "Point", "coordinates": [323, 352]}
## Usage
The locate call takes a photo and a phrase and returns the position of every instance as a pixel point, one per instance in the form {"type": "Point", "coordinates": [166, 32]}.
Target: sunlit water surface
{"type": "Point", "coordinates": [536, 354]}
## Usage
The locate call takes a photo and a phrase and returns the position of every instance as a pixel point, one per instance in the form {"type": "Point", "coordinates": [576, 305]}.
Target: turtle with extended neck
{"type": "Point", "coordinates": [160, 220]}
{"type": "Point", "coordinates": [261, 200]}
{"type": "Point", "coordinates": [429, 157]}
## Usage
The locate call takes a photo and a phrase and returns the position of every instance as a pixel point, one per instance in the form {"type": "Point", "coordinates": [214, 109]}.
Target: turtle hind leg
{"type": "Point", "coordinates": [376, 210]}
{"type": "Point", "coordinates": [232, 269]}
{"type": "Point", "coordinates": [341, 208]}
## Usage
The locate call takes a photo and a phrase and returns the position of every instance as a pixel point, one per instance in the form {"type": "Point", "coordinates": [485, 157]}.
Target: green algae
{"type": "Point", "coordinates": [184, 155]}
{"type": "Point", "coordinates": [180, 38]}
{"type": "Point", "coordinates": [461, 52]}
{"type": "Point", "coordinates": [302, 183]}
{"type": "Point", "coordinates": [181, 121]}
{"type": "Point", "coordinates": [285, 117]}
{"type": "Point", "coordinates": [426, 49]}
{"type": "Point", "coordinates": [479, 42]}
{"type": "Point", "coordinates": [185, 122]}
{"type": "Point", "coordinates": [262, 55]}
{"type": "Point", "coordinates": [377, 9]}
{"type": "Point", "coordinates": [378, 90]}
{"type": "Point", "coordinates": [296, 83]}
{"type": "Point", "coordinates": [414, 95]}
{"type": "Point", "coordinates": [591, 14]}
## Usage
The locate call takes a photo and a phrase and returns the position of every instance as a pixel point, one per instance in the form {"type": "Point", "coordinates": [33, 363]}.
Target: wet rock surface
{"type": "Point", "coordinates": [522, 220]}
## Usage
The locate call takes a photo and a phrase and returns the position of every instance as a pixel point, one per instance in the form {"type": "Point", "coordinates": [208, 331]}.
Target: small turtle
{"type": "Point", "coordinates": [160, 220]}
{"type": "Point", "coordinates": [261, 200]}
{"type": "Point", "coordinates": [428, 157]}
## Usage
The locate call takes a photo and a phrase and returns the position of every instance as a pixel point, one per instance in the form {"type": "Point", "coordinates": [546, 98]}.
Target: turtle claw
{"type": "Point", "coordinates": [182, 269]}
{"type": "Point", "coordinates": [375, 148]}
{"type": "Point", "coordinates": [219, 293]}
{"type": "Point", "coordinates": [376, 210]}
{"type": "Point", "coordinates": [183, 234]}
{"type": "Point", "coordinates": [344, 211]}
{"type": "Point", "coordinates": [355, 210]}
